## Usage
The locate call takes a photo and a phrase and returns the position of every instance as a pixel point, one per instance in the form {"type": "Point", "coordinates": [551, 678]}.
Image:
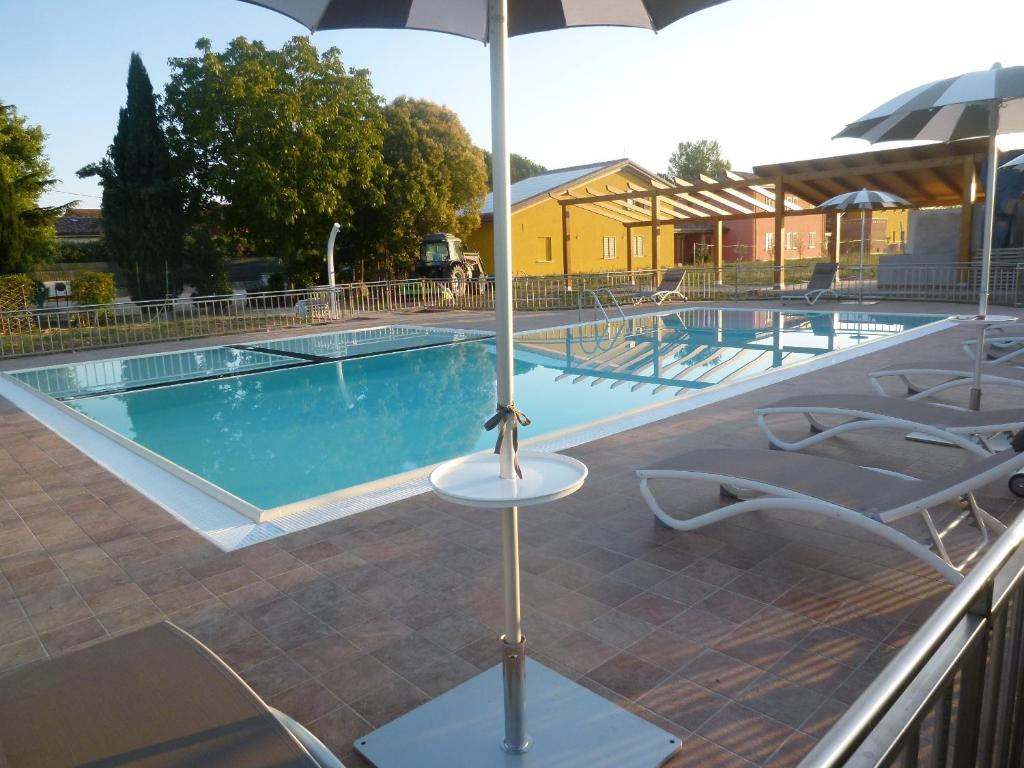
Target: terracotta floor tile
{"type": "Point", "coordinates": [71, 636]}
{"type": "Point", "coordinates": [324, 654]}
{"type": "Point", "coordinates": [698, 752]}
{"type": "Point", "coordinates": [720, 673]}
{"type": "Point", "coordinates": [579, 650]}
{"type": "Point", "coordinates": [619, 628]}
{"type": "Point", "coordinates": [683, 702]}
{"type": "Point", "coordinates": [358, 677]}
{"type": "Point", "coordinates": [339, 729]}
{"type": "Point", "coordinates": [611, 591]}
{"type": "Point", "coordinates": [667, 650]}
{"type": "Point", "coordinates": [628, 675]}
{"type": "Point", "coordinates": [20, 652]}
{"type": "Point", "coordinates": [781, 700]}
{"type": "Point", "coordinates": [276, 674]}
{"type": "Point", "coordinates": [745, 733]}
{"type": "Point", "coordinates": [441, 672]}
{"type": "Point", "coordinates": [305, 702]}
{"type": "Point", "coordinates": [653, 608]}
{"type": "Point", "coordinates": [388, 702]}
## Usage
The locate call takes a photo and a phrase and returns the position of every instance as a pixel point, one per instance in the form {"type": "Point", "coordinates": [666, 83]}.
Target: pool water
{"type": "Point", "coordinates": [289, 420]}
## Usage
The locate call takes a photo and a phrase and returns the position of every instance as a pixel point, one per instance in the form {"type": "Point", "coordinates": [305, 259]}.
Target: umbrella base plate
{"type": "Point", "coordinates": [569, 726]}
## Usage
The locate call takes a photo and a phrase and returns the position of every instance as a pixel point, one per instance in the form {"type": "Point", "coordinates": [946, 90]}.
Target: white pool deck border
{"type": "Point", "coordinates": [217, 515]}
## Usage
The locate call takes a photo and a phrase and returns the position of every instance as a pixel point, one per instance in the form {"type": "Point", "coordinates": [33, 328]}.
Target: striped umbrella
{"type": "Point", "coordinates": [973, 104]}
{"type": "Point", "coordinates": [492, 22]}
{"type": "Point", "coordinates": [1017, 162]}
{"type": "Point", "coordinates": [864, 200]}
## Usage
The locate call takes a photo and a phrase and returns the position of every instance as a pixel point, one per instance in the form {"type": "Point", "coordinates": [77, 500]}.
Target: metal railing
{"type": "Point", "coordinates": [897, 280]}
{"type": "Point", "coordinates": [68, 328]}
{"type": "Point", "coordinates": [71, 327]}
{"type": "Point", "coordinates": [954, 695]}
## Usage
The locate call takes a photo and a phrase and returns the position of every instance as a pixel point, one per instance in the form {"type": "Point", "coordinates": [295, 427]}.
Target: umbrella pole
{"type": "Point", "coordinates": [986, 255]}
{"type": "Point", "coordinates": [513, 643]}
{"type": "Point", "coordinates": [863, 219]}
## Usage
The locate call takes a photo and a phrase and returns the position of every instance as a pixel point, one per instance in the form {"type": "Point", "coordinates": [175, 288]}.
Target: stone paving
{"type": "Point", "coordinates": [747, 639]}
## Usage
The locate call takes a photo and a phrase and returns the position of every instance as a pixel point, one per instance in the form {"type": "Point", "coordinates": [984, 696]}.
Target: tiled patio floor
{"type": "Point", "coordinates": [747, 639]}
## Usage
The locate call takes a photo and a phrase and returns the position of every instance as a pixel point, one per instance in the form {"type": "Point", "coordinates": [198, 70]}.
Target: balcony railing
{"type": "Point", "coordinates": [954, 695]}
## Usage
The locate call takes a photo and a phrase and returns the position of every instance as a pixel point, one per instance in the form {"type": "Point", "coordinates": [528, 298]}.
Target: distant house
{"type": "Point", "coordinates": [551, 239]}
{"type": "Point", "coordinates": [80, 225]}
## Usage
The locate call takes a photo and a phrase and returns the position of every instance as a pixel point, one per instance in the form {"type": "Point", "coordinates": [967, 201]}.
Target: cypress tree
{"type": "Point", "coordinates": [142, 202]}
{"type": "Point", "coordinates": [11, 240]}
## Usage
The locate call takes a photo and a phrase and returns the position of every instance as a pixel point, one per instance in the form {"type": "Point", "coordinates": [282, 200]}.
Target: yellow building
{"type": "Point", "coordinates": [551, 239]}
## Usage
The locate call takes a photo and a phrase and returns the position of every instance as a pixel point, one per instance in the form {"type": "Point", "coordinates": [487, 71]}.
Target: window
{"type": "Point", "coordinates": [609, 247]}
{"type": "Point", "coordinates": [769, 241]}
{"type": "Point", "coordinates": [543, 249]}
{"type": "Point", "coordinates": [812, 239]}
{"type": "Point", "coordinates": [792, 241]}
{"type": "Point", "coordinates": [638, 246]}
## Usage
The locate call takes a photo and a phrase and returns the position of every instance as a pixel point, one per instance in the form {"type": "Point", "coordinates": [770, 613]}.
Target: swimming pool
{"type": "Point", "coordinates": [269, 427]}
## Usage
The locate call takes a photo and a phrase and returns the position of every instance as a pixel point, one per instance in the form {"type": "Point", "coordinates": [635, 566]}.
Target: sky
{"type": "Point", "coordinates": [771, 81]}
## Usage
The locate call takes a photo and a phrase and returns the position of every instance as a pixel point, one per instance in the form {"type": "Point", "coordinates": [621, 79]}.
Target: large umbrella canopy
{"type": "Point", "coordinates": [1017, 162]}
{"type": "Point", "coordinates": [947, 110]}
{"type": "Point", "coordinates": [469, 18]}
{"type": "Point", "coordinates": [973, 104]}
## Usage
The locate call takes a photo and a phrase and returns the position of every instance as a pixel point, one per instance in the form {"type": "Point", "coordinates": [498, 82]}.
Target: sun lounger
{"type": "Point", "coordinates": [868, 498]}
{"type": "Point", "coordinates": [971, 430]}
{"type": "Point", "coordinates": [671, 285]}
{"type": "Point", "coordinates": [154, 698]}
{"type": "Point", "coordinates": [1003, 343]}
{"type": "Point", "coordinates": [952, 373]}
{"type": "Point", "coordinates": [822, 279]}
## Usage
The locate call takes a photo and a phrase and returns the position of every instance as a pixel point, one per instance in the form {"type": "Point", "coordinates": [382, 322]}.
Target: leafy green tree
{"type": "Point", "coordinates": [693, 158]}
{"type": "Point", "coordinates": [26, 227]}
{"type": "Point", "coordinates": [142, 206]}
{"type": "Point", "coordinates": [284, 140]}
{"type": "Point", "coordinates": [436, 182]}
{"type": "Point", "coordinates": [519, 167]}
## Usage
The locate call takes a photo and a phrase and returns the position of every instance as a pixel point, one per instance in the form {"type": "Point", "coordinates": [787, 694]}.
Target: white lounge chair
{"type": "Point", "coordinates": [1004, 343]}
{"type": "Point", "coordinates": [952, 374]}
{"type": "Point", "coordinates": [822, 280]}
{"type": "Point", "coordinates": [974, 431]}
{"type": "Point", "coordinates": [671, 285]}
{"type": "Point", "coordinates": [868, 498]}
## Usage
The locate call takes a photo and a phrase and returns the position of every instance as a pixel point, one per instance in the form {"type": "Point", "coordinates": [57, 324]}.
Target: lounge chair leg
{"type": "Point", "coordinates": [936, 537]}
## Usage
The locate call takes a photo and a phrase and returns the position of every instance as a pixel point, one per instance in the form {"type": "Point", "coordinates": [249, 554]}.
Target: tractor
{"type": "Point", "coordinates": [442, 256]}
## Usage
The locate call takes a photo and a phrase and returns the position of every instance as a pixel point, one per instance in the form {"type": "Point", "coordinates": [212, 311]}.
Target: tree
{"type": "Point", "coordinates": [26, 227]}
{"type": "Point", "coordinates": [142, 206]}
{"type": "Point", "coordinates": [519, 167]}
{"type": "Point", "coordinates": [436, 182]}
{"type": "Point", "coordinates": [693, 158]}
{"type": "Point", "coordinates": [285, 140]}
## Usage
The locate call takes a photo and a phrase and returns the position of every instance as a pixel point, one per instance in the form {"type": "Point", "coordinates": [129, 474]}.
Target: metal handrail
{"type": "Point", "coordinates": [970, 600]}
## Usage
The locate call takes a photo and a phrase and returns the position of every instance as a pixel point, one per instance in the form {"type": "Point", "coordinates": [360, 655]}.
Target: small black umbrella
{"type": "Point", "coordinates": [864, 200]}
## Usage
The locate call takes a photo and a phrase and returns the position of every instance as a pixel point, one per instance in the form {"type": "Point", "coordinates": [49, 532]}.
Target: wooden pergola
{"type": "Point", "coordinates": [928, 176]}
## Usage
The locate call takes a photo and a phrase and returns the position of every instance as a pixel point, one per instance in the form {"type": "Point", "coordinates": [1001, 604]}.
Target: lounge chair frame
{"type": "Point", "coordinates": [976, 440]}
{"type": "Point", "coordinates": [954, 377]}
{"type": "Point", "coordinates": [777, 497]}
{"type": "Point", "coordinates": [664, 290]}
{"type": "Point", "coordinates": [822, 282]}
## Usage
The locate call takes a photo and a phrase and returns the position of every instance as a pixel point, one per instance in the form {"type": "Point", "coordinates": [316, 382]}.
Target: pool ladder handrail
{"type": "Point", "coordinates": [598, 306]}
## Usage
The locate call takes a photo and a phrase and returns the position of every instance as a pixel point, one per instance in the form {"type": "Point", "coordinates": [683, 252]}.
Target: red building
{"type": "Point", "coordinates": [804, 237]}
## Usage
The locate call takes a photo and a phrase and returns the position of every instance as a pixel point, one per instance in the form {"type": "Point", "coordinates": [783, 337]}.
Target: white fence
{"type": "Point", "coordinates": [59, 329]}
